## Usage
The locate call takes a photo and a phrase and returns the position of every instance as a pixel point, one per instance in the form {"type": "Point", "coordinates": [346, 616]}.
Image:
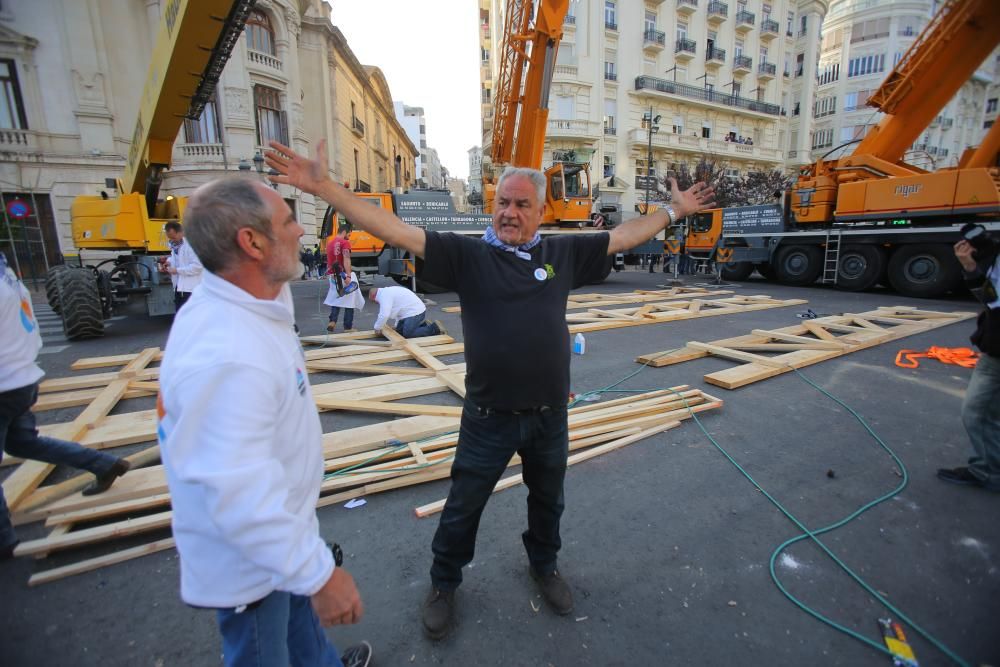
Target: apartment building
{"type": "Point", "coordinates": [73, 73]}
{"type": "Point", "coordinates": [720, 80]}
{"type": "Point", "coordinates": [475, 170]}
{"type": "Point", "coordinates": [862, 42]}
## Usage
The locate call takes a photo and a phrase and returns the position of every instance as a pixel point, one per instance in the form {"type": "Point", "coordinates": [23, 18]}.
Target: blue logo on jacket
{"type": "Point", "coordinates": [300, 380]}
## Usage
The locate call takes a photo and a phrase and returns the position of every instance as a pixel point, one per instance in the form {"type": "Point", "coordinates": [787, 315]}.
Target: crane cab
{"type": "Point", "coordinates": [567, 194]}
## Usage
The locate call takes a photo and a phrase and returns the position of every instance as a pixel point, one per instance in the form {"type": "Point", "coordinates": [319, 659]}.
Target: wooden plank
{"type": "Point", "coordinates": [109, 510]}
{"type": "Point", "coordinates": [138, 364]}
{"type": "Point", "coordinates": [70, 399]}
{"type": "Point", "coordinates": [90, 564]}
{"type": "Point", "coordinates": [376, 368]}
{"type": "Point", "coordinates": [819, 331]}
{"type": "Point", "coordinates": [61, 529]}
{"type": "Point", "coordinates": [791, 338]}
{"type": "Point", "coordinates": [728, 353]}
{"type": "Point", "coordinates": [96, 534]}
{"type": "Point", "coordinates": [514, 480]}
{"type": "Point", "coordinates": [88, 363]}
{"type": "Point", "coordinates": [418, 454]}
{"type": "Point", "coordinates": [388, 408]}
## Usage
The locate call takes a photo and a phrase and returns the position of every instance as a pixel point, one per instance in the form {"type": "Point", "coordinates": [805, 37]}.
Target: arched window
{"type": "Point", "coordinates": [260, 34]}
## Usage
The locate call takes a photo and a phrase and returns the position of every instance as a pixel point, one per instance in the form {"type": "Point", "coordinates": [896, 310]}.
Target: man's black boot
{"type": "Point", "coordinates": [104, 482]}
{"type": "Point", "coordinates": [555, 590]}
{"type": "Point", "coordinates": [438, 613]}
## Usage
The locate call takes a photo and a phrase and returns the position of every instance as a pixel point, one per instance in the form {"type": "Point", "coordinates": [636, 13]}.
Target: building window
{"type": "Point", "coordinates": [644, 177]}
{"type": "Point", "coordinates": [866, 65]}
{"type": "Point", "coordinates": [682, 30]}
{"type": "Point", "coordinates": [260, 34]}
{"type": "Point", "coordinates": [706, 131]}
{"type": "Point", "coordinates": [991, 105]}
{"type": "Point", "coordinates": [802, 25]}
{"type": "Point", "coordinates": [800, 60]}
{"type": "Point", "coordinates": [791, 23]}
{"type": "Point", "coordinates": [678, 125]}
{"type": "Point", "coordinates": [272, 124]}
{"type": "Point", "coordinates": [12, 114]}
{"type": "Point", "coordinates": [205, 130]}
{"type": "Point", "coordinates": [650, 23]}
{"type": "Point", "coordinates": [609, 71]}
{"type": "Point", "coordinates": [486, 95]}
{"type": "Point", "coordinates": [610, 14]}
{"type": "Point", "coordinates": [609, 166]}
{"type": "Point", "coordinates": [850, 101]}
{"type": "Point", "coordinates": [862, 31]}
{"type": "Point", "coordinates": [610, 111]}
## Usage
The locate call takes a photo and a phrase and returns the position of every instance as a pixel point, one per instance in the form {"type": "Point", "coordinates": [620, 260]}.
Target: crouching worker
{"type": "Point", "coordinates": [400, 305]}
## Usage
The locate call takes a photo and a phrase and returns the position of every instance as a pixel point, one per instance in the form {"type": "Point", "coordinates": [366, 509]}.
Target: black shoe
{"type": "Point", "coordinates": [359, 655]}
{"type": "Point", "coordinates": [7, 552]}
{"type": "Point", "coordinates": [555, 590]}
{"type": "Point", "coordinates": [104, 482]}
{"type": "Point", "coordinates": [439, 613]}
{"type": "Point", "coordinates": [442, 331]}
{"type": "Point", "coordinates": [962, 476]}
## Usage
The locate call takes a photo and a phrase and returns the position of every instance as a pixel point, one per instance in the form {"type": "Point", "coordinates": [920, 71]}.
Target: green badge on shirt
{"type": "Point", "coordinates": [550, 273]}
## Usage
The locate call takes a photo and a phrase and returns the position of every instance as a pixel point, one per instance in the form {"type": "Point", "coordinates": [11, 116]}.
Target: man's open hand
{"type": "Point", "coordinates": [696, 198]}
{"type": "Point", "coordinates": [297, 170]}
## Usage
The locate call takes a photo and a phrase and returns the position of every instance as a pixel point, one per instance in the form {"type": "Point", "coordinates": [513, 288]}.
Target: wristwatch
{"type": "Point", "coordinates": [671, 213]}
{"type": "Point", "coordinates": [338, 553]}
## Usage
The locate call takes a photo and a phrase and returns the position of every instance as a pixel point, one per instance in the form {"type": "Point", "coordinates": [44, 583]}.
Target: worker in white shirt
{"type": "Point", "coordinates": [184, 268]}
{"type": "Point", "coordinates": [400, 305]}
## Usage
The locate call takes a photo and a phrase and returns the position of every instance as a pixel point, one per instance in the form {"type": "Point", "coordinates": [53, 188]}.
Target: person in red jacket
{"type": "Point", "coordinates": [338, 260]}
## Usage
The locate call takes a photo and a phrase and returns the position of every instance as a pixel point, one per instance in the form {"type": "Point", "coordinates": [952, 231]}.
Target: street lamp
{"type": "Point", "coordinates": [651, 127]}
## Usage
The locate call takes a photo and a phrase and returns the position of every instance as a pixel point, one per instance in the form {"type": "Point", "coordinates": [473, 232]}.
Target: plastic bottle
{"type": "Point", "coordinates": [579, 344]}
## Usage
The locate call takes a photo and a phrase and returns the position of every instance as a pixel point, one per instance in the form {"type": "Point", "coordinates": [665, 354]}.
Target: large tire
{"type": "Point", "coordinates": [80, 304]}
{"type": "Point", "coordinates": [738, 271]}
{"type": "Point", "coordinates": [798, 265]}
{"type": "Point", "coordinates": [52, 286]}
{"type": "Point", "coordinates": [860, 267]}
{"type": "Point", "coordinates": [924, 270]}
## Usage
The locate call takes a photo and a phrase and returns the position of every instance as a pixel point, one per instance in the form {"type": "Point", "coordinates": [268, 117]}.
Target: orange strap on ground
{"type": "Point", "coordinates": [959, 356]}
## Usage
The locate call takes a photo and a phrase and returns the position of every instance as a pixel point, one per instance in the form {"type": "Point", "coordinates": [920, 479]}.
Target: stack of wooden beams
{"type": "Point", "coordinates": [766, 353]}
{"type": "Point", "coordinates": [414, 449]}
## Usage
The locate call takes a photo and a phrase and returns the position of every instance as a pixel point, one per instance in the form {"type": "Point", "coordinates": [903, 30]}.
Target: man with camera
{"type": "Point", "coordinates": [979, 255]}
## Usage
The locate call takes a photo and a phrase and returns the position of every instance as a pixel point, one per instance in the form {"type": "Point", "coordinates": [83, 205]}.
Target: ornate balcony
{"type": "Point", "coordinates": [715, 57]}
{"type": "Point", "coordinates": [687, 6]}
{"type": "Point", "coordinates": [685, 49]}
{"type": "Point", "coordinates": [769, 29]}
{"type": "Point", "coordinates": [654, 40]}
{"type": "Point", "coordinates": [742, 64]}
{"type": "Point", "coordinates": [717, 12]}
{"type": "Point", "coordinates": [766, 70]}
{"type": "Point", "coordinates": [654, 87]}
{"type": "Point", "coordinates": [744, 20]}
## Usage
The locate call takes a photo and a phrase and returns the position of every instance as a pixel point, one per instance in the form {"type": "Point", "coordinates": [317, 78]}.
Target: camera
{"type": "Point", "coordinates": [985, 247]}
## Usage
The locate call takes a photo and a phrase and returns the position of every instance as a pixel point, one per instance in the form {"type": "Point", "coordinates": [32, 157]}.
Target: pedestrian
{"type": "Point", "coordinates": [318, 260]}
{"type": "Point", "coordinates": [20, 342]}
{"type": "Point", "coordinates": [183, 264]}
{"type": "Point", "coordinates": [404, 308]}
{"type": "Point", "coordinates": [981, 407]}
{"type": "Point", "coordinates": [513, 286]}
{"type": "Point", "coordinates": [307, 259]}
{"type": "Point", "coordinates": [348, 303]}
{"type": "Point", "coordinates": [338, 260]}
{"type": "Point", "coordinates": [241, 441]}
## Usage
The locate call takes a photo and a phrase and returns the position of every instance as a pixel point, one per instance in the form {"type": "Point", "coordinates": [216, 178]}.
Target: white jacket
{"type": "Point", "coordinates": [241, 444]}
{"type": "Point", "coordinates": [396, 303]}
{"type": "Point", "coordinates": [189, 268]}
{"type": "Point", "coordinates": [19, 337]}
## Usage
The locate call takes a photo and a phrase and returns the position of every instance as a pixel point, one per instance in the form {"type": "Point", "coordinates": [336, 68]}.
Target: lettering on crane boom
{"type": "Point", "coordinates": [906, 190]}
{"type": "Point", "coordinates": [752, 219]}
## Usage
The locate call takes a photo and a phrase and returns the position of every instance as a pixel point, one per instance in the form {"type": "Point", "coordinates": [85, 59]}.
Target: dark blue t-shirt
{"type": "Point", "coordinates": [514, 312]}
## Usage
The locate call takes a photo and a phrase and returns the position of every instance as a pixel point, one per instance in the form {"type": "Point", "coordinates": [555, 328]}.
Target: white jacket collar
{"type": "Point", "coordinates": [279, 309]}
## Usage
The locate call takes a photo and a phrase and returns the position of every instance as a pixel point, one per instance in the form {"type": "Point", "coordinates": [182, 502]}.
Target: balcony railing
{"type": "Point", "coordinates": [655, 37]}
{"type": "Point", "coordinates": [769, 28]}
{"type": "Point", "coordinates": [202, 150]}
{"type": "Point", "coordinates": [16, 140]}
{"type": "Point", "coordinates": [687, 5]}
{"type": "Point", "coordinates": [688, 46]}
{"type": "Point", "coordinates": [610, 25]}
{"type": "Point", "coordinates": [715, 55]}
{"type": "Point", "coordinates": [569, 19]}
{"type": "Point", "coordinates": [358, 126]}
{"type": "Point", "coordinates": [611, 76]}
{"type": "Point", "coordinates": [610, 130]}
{"type": "Point", "coordinates": [704, 94]}
{"type": "Point", "coordinates": [743, 62]}
{"type": "Point", "coordinates": [265, 59]}
{"type": "Point", "coordinates": [767, 69]}
{"type": "Point", "coordinates": [745, 19]}
{"type": "Point", "coordinates": [717, 10]}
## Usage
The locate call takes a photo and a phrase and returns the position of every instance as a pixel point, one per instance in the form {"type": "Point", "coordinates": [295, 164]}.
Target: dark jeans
{"type": "Point", "coordinates": [19, 437]}
{"type": "Point", "coordinates": [486, 443]}
{"type": "Point", "coordinates": [280, 630]}
{"type": "Point", "coordinates": [348, 316]}
{"type": "Point", "coordinates": [981, 416]}
{"type": "Point", "coordinates": [415, 326]}
{"type": "Point", "coordinates": [180, 298]}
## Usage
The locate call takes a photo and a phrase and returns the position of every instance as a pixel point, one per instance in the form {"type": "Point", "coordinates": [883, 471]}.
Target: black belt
{"type": "Point", "coordinates": [483, 411]}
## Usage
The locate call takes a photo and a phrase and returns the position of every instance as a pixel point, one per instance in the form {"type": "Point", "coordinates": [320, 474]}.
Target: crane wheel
{"type": "Point", "coordinates": [80, 303]}
{"type": "Point", "coordinates": [924, 270]}
{"type": "Point", "coordinates": [860, 267]}
{"type": "Point", "coordinates": [52, 286]}
{"type": "Point", "coordinates": [798, 265]}
{"type": "Point", "coordinates": [766, 270]}
{"type": "Point", "coordinates": [738, 271]}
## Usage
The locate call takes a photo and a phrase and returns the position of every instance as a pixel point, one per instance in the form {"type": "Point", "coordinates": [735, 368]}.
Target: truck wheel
{"type": "Point", "coordinates": [766, 270]}
{"type": "Point", "coordinates": [52, 286]}
{"type": "Point", "coordinates": [924, 270]}
{"type": "Point", "coordinates": [738, 271]}
{"type": "Point", "coordinates": [860, 267]}
{"type": "Point", "coordinates": [80, 303]}
{"type": "Point", "coordinates": [798, 265]}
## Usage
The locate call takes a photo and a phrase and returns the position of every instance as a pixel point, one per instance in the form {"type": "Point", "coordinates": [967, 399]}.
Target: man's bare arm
{"type": "Point", "coordinates": [313, 176]}
{"type": "Point", "coordinates": [696, 198]}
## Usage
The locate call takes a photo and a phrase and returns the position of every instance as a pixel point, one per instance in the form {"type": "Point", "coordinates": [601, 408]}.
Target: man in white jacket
{"type": "Point", "coordinates": [20, 342]}
{"type": "Point", "coordinates": [405, 309]}
{"type": "Point", "coordinates": [242, 442]}
{"type": "Point", "coordinates": [184, 267]}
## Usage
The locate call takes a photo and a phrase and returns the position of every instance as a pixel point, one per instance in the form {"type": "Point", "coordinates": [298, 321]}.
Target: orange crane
{"type": "Point", "coordinates": [870, 217]}
{"type": "Point", "coordinates": [527, 59]}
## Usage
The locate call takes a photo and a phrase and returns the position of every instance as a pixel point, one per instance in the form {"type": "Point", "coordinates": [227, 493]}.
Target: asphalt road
{"type": "Point", "coordinates": [666, 543]}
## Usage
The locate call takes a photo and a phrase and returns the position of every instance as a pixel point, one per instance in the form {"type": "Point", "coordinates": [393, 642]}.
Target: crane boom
{"type": "Point", "coordinates": [192, 47]}
{"type": "Point", "coordinates": [942, 58]}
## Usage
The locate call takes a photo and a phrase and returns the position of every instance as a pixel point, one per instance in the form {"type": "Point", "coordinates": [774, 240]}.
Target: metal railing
{"type": "Point", "coordinates": [769, 27]}
{"type": "Point", "coordinates": [569, 19]}
{"type": "Point", "coordinates": [685, 46]}
{"type": "Point", "coordinates": [718, 8]}
{"type": "Point", "coordinates": [655, 37]}
{"type": "Point", "coordinates": [704, 94]}
{"type": "Point", "coordinates": [743, 17]}
{"type": "Point", "coordinates": [767, 69]}
{"type": "Point", "coordinates": [357, 125]}
{"type": "Point", "coordinates": [715, 54]}
{"type": "Point", "coordinates": [610, 25]}
{"type": "Point", "coordinates": [687, 3]}
{"type": "Point", "coordinates": [743, 62]}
